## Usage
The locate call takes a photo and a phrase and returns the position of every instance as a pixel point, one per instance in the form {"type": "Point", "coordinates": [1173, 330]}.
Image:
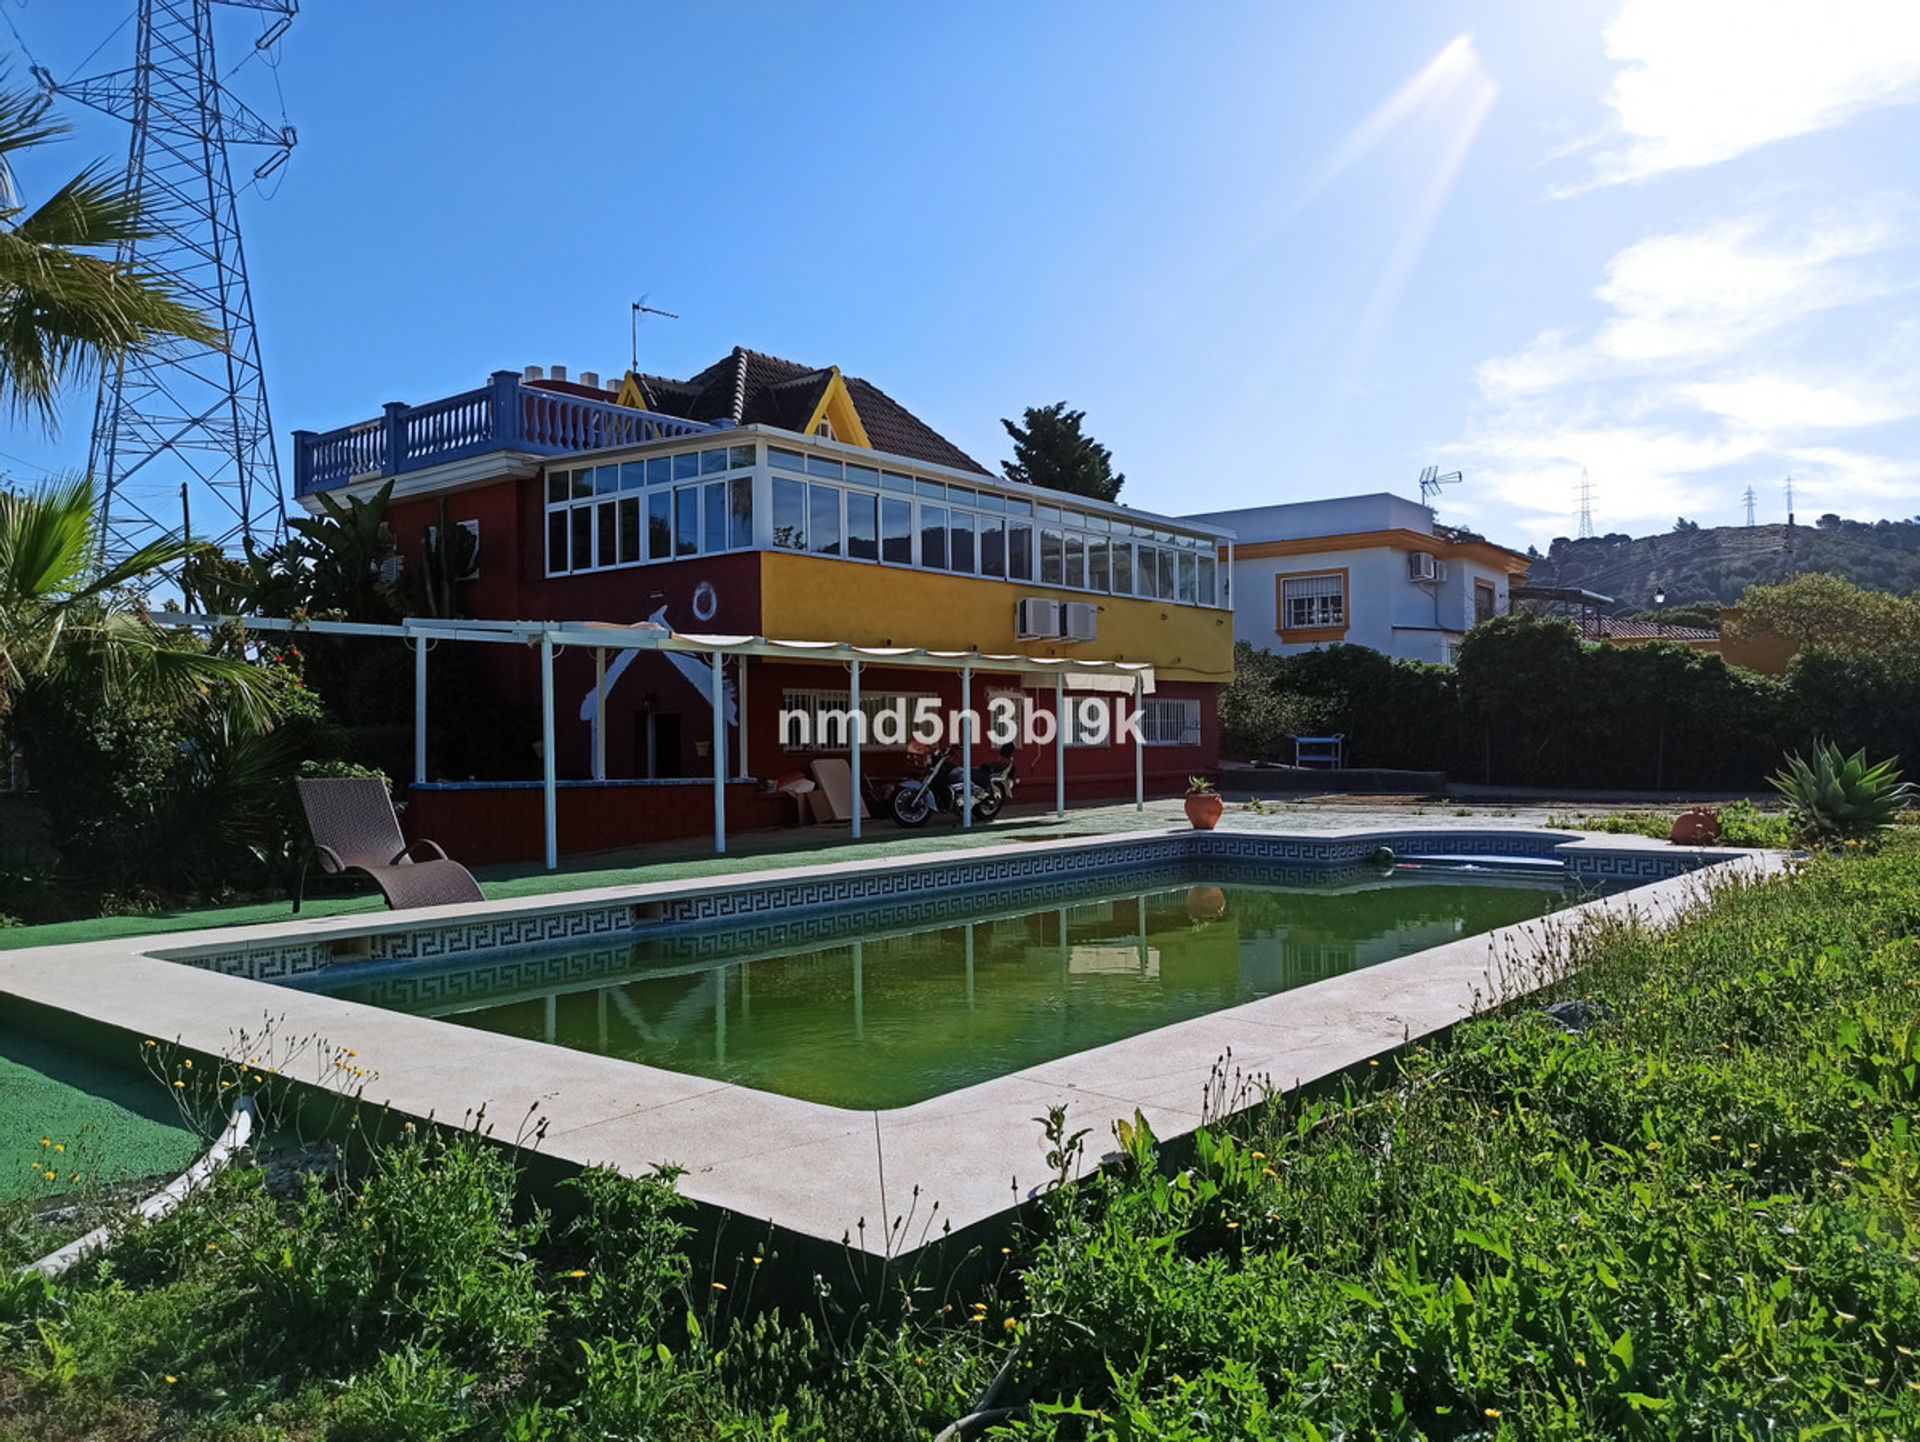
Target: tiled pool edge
{"type": "Point", "coordinates": [812, 1170]}
{"type": "Point", "coordinates": [278, 952]}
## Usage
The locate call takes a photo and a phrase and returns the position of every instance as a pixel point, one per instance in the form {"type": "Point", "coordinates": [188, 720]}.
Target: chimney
{"type": "Point", "coordinates": [532, 373]}
{"type": "Point", "coordinates": [590, 379]}
{"type": "Point", "coordinates": [613, 386]}
{"type": "Point", "coordinates": [558, 373]}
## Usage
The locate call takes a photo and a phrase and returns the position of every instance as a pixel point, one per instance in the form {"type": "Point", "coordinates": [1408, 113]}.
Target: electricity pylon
{"type": "Point", "coordinates": [184, 432]}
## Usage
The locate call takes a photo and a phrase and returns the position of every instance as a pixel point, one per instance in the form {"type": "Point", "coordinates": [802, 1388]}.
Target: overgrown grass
{"type": "Point", "coordinates": [1741, 824]}
{"type": "Point", "coordinates": [1695, 1217]}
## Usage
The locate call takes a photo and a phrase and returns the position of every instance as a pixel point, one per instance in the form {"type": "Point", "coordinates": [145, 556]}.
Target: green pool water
{"type": "Point", "coordinates": [895, 1017]}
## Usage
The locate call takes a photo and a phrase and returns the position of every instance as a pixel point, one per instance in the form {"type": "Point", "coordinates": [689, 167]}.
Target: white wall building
{"type": "Point", "coordinates": [1367, 570]}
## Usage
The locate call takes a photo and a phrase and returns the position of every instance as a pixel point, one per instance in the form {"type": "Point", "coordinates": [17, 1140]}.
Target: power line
{"type": "Point", "coordinates": [1750, 503]}
{"type": "Point", "coordinates": [1585, 531]}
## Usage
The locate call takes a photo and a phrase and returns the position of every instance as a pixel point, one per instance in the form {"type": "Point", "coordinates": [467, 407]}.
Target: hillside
{"type": "Point", "coordinates": [1718, 563]}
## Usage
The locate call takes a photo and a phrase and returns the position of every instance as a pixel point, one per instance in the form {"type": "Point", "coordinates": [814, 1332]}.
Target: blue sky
{"type": "Point", "coordinates": [1275, 252]}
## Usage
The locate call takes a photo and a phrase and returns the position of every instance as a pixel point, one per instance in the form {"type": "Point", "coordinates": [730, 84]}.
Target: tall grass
{"type": "Point", "coordinates": [1694, 1217]}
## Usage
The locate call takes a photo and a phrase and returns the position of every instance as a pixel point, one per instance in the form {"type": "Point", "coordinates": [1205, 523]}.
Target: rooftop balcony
{"type": "Point", "coordinates": [503, 415]}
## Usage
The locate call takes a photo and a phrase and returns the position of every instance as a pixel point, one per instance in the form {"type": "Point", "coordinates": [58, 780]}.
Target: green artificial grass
{"type": "Point", "coordinates": [1689, 1207]}
{"type": "Point", "coordinates": [675, 862]}
{"type": "Point", "coordinates": [98, 1123]}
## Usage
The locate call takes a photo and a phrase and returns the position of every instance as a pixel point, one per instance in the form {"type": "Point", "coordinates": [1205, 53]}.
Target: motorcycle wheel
{"type": "Point", "coordinates": [985, 808]}
{"type": "Point", "coordinates": [910, 806]}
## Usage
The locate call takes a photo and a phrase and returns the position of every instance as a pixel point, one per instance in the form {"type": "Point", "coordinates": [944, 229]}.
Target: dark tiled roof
{"type": "Point", "coordinates": [1616, 629]}
{"type": "Point", "coordinates": [749, 388]}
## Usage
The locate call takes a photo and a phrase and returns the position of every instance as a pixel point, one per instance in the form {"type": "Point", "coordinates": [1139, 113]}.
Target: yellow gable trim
{"type": "Point", "coordinates": [837, 406]}
{"type": "Point", "coordinates": [633, 394]}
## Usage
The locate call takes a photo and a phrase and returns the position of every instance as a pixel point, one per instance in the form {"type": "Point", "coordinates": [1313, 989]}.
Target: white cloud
{"type": "Point", "coordinates": [1703, 292]}
{"type": "Point", "coordinates": [1779, 402]}
{"type": "Point", "coordinates": [1702, 81]}
{"type": "Point", "coordinates": [1706, 371]}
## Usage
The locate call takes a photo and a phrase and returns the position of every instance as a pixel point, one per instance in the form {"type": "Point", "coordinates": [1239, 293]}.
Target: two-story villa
{"type": "Point", "coordinates": [1373, 570]}
{"type": "Point", "coordinates": [761, 498]}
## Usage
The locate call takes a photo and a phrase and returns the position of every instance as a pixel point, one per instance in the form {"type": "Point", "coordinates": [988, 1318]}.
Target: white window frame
{"type": "Point", "coordinates": [819, 699]}
{"type": "Point", "coordinates": [592, 502]}
{"type": "Point", "coordinates": [1320, 617]}
{"type": "Point", "coordinates": [1161, 724]}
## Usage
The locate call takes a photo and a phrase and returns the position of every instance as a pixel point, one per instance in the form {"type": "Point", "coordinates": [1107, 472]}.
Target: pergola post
{"type": "Point", "coordinates": [599, 713]}
{"type": "Point", "coordinates": [740, 762]}
{"type": "Point", "coordinates": [419, 710]}
{"type": "Point", "coordinates": [857, 723]}
{"type": "Point", "coordinates": [1060, 743]}
{"type": "Point", "coordinates": [1139, 742]}
{"type": "Point", "coordinates": [966, 746]}
{"type": "Point", "coordinates": [548, 773]}
{"type": "Point", "coordinates": [719, 753]}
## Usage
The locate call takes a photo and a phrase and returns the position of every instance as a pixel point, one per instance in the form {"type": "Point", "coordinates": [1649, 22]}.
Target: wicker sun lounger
{"type": "Point", "coordinates": [354, 829]}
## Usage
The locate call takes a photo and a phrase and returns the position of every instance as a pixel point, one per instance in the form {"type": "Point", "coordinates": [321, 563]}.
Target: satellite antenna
{"type": "Point", "coordinates": [640, 308]}
{"type": "Point", "coordinates": [1431, 481]}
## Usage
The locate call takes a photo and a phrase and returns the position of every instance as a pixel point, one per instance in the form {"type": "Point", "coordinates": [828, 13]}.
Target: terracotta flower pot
{"type": "Point", "coordinates": [1698, 827]}
{"type": "Point", "coordinates": [1204, 808]}
{"type": "Point", "coordinates": [1206, 903]}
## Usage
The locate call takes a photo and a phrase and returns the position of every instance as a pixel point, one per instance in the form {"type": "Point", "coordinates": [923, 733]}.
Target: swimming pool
{"type": "Point", "coordinates": [848, 1014]}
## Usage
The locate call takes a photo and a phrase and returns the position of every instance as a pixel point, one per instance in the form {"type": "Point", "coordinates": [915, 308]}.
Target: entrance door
{"type": "Point", "coordinates": [657, 743]}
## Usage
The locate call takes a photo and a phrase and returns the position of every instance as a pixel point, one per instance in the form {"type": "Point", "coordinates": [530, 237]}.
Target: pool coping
{"type": "Point", "coordinates": [827, 1172]}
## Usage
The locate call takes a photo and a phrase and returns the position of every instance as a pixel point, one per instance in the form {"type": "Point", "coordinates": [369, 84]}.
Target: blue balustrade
{"type": "Point", "coordinates": [503, 415]}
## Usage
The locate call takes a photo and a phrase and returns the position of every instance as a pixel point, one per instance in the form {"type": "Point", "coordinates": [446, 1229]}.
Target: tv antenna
{"type": "Point", "coordinates": [1431, 481]}
{"type": "Point", "coordinates": [1749, 498]}
{"type": "Point", "coordinates": [1586, 506]}
{"type": "Point", "coordinates": [640, 308]}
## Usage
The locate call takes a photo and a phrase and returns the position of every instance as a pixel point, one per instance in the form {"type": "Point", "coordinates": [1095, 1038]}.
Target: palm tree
{"type": "Point", "coordinates": [64, 619]}
{"type": "Point", "coordinates": [68, 302]}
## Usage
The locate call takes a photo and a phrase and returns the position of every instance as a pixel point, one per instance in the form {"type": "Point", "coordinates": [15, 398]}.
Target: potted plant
{"type": "Point", "coordinates": [1203, 804]}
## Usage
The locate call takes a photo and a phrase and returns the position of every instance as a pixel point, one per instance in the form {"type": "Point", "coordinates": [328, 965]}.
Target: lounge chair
{"type": "Point", "coordinates": [835, 780]}
{"type": "Point", "coordinates": [354, 829]}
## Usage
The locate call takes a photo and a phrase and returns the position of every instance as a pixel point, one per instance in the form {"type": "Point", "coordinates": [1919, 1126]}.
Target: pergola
{"type": "Point", "coordinates": [601, 637]}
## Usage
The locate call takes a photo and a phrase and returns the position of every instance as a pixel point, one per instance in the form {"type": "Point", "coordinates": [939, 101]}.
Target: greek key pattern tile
{"type": "Point", "coordinates": [783, 910]}
{"type": "Point", "coordinates": [1634, 865]}
{"type": "Point", "coordinates": [962, 874]}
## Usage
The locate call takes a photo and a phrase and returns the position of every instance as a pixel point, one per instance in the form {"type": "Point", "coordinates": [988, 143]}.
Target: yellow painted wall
{"type": "Point", "coordinates": [815, 598]}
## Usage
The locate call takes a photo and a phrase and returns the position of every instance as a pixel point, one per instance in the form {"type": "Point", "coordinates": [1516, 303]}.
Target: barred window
{"type": "Point", "coordinates": [1308, 602]}
{"type": "Point", "coordinates": [1170, 721]}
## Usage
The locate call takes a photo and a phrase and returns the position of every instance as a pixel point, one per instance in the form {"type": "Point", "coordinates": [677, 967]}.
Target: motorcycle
{"type": "Point", "coordinates": [941, 787]}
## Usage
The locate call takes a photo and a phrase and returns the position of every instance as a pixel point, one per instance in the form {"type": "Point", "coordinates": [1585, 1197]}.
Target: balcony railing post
{"type": "Point", "coordinates": [509, 425]}
{"type": "Point", "coordinates": [303, 462]}
{"type": "Point", "coordinates": [394, 418]}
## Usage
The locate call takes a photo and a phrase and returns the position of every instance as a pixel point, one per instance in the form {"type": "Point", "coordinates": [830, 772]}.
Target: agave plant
{"type": "Point", "coordinates": [1836, 798]}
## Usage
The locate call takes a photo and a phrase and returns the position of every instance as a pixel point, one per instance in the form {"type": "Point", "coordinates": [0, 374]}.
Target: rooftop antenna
{"type": "Point", "coordinates": [1749, 498]}
{"type": "Point", "coordinates": [1431, 481]}
{"type": "Point", "coordinates": [640, 308]}
{"type": "Point", "coordinates": [1586, 506]}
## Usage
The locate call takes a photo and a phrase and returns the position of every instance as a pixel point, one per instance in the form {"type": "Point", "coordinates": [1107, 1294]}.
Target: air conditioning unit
{"type": "Point", "coordinates": [1036, 619]}
{"type": "Point", "coordinates": [1423, 567]}
{"type": "Point", "coordinates": [1082, 621]}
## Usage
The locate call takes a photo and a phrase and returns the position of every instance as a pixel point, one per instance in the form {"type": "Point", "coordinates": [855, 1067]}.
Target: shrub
{"type": "Point", "coordinates": [425, 1249]}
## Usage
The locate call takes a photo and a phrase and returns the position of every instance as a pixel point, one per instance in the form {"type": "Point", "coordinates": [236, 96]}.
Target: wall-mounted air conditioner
{"type": "Point", "coordinates": [1036, 619]}
{"type": "Point", "coordinates": [1423, 567]}
{"type": "Point", "coordinates": [1082, 621]}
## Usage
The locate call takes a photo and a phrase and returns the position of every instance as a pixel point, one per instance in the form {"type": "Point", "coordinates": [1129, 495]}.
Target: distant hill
{"type": "Point", "coordinates": [1717, 563]}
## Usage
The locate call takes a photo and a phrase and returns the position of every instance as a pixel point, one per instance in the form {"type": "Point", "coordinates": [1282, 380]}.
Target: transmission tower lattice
{"type": "Point", "coordinates": [182, 437]}
{"type": "Point", "coordinates": [1750, 505]}
{"type": "Point", "coordinates": [1586, 506]}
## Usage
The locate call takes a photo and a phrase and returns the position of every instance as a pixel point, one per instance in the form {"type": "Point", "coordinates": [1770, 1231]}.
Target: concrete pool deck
{"type": "Point", "coordinates": [813, 845]}
{"type": "Point", "coordinates": [820, 1171]}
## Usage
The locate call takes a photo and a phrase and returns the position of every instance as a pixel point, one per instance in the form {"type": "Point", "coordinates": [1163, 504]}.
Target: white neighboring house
{"type": "Point", "coordinates": [1367, 570]}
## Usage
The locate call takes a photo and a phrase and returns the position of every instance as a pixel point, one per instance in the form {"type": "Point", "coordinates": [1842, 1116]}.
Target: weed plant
{"type": "Point", "coordinates": [1693, 1216]}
